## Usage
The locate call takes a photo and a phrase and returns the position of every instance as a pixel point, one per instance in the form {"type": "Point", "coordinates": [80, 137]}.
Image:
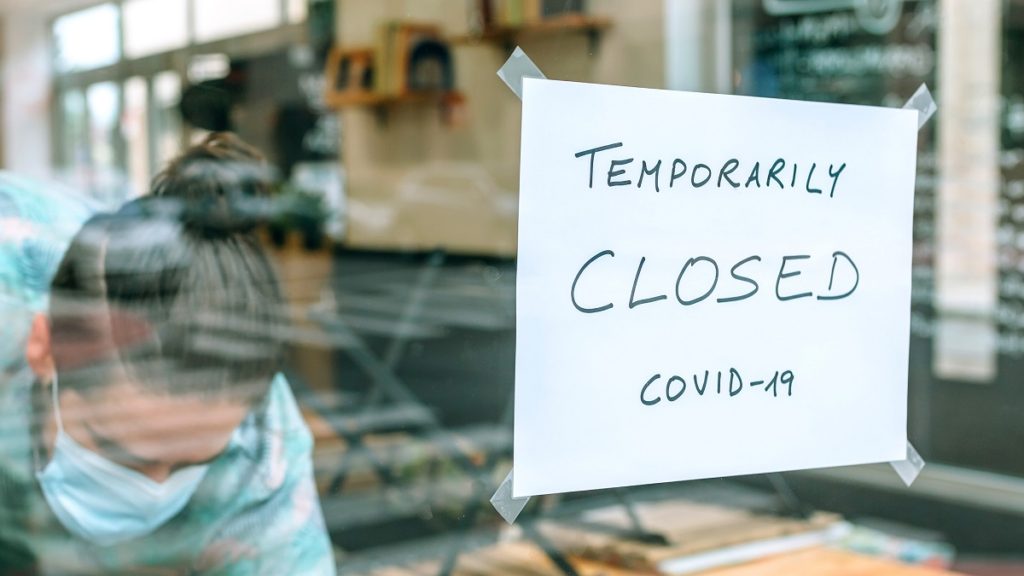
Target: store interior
{"type": "Point", "coordinates": [397, 150]}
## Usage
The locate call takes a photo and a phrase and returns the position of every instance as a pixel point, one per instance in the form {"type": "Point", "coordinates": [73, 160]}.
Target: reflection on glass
{"type": "Point", "coordinates": [152, 26]}
{"type": "Point", "coordinates": [216, 19]}
{"type": "Point", "coordinates": [87, 39]}
{"type": "Point", "coordinates": [136, 133]}
{"type": "Point", "coordinates": [166, 124]}
{"type": "Point", "coordinates": [203, 67]}
{"type": "Point", "coordinates": [297, 10]}
{"type": "Point", "coordinates": [102, 101]}
{"type": "Point", "coordinates": [74, 143]}
{"type": "Point", "coordinates": [400, 328]}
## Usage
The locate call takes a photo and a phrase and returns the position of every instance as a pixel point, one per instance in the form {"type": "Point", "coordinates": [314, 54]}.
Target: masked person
{"type": "Point", "coordinates": [166, 440]}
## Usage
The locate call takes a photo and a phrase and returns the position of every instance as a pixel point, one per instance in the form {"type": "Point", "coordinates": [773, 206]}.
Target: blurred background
{"type": "Point", "coordinates": [398, 154]}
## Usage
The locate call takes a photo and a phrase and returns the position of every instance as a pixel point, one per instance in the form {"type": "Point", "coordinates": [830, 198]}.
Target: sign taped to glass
{"type": "Point", "coordinates": [708, 286]}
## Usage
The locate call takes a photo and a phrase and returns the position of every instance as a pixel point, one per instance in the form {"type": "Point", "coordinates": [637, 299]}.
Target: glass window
{"type": "Point", "coordinates": [152, 26]}
{"type": "Point", "coordinates": [134, 127]}
{"type": "Point", "coordinates": [102, 101]}
{"type": "Point", "coordinates": [166, 120]}
{"type": "Point", "coordinates": [74, 145]}
{"type": "Point", "coordinates": [87, 39]}
{"type": "Point", "coordinates": [297, 10]}
{"type": "Point", "coordinates": [216, 19]}
{"type": "Point", "coordinates": [203, 67]}
{"type": "Point", "coordinates": [389, 156]}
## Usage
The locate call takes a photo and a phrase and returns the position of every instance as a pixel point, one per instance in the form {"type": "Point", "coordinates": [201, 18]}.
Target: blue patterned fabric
{"type": "Point", "coordinates": [37, 221]}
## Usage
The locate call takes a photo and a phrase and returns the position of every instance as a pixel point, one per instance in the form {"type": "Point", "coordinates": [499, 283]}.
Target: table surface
{"type": "Point", "coordinates": [824, 562]}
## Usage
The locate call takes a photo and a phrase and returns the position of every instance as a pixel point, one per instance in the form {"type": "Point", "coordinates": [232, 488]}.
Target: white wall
{"type": "Point", "coordinates": [25, 74]}
{"type": "Point", "coordinates": [697, 45]}
{"type": "Point", "coordinates": [966, 261]}
{"type": "Point", "coordinates": [415, 183]}
{"type": "Point", "coordinates": [26, 102]}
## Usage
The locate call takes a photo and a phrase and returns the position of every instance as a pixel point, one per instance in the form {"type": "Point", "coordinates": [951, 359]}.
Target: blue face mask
{"type": "Point", "coordinates": [104, 502]}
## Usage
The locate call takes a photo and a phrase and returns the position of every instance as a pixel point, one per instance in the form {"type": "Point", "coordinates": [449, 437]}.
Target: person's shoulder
{"type": "Point", "coordinates": [277, 442]}
{"type": "Point", "coordinates": [37, 221]}
{"type": "Point", "coordinates": [282, 411]}
{"type": "Point", "coordinates": [44, 202]}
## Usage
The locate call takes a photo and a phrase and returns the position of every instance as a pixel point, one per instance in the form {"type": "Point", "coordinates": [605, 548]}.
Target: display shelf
{"type": "Point", "coordinates": [350, 98]}
{"type": "Point", "coordinates": [566, 23]}
{"type": "Point", "coordinates": [361, 59]}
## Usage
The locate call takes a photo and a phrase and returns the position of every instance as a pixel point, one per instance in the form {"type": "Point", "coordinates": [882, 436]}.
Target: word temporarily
{"type": "Point", "coordinates": [707, 284]}
{"type": "Point", "coordinates": [676, 386]}
{"type": "Point", "coordinates": [732, 173]}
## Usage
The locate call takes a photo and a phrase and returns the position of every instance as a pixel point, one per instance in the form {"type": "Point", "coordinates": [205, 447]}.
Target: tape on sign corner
{"type": "Point", "coordinates": [923, 102]}
{"type": "Point", "coordinates": [517, 67]}
{"type": "Point", "coordinates": [911, 467]}
{"type": "Point", "coordinates": [505, 504]}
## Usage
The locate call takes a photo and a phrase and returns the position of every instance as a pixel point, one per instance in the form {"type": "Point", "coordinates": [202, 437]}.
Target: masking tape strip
{"type": "Point", "coordinates": [505, 504]}
{"type": "Point", "coordinates": [923, 102]}
{"type": "Point", "coordinates": [517, 67]}
{"type": "Point", "coordinates": [910, 468]}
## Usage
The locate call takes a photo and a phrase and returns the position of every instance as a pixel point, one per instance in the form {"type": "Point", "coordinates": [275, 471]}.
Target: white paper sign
{"type": "Point", "coordinates": [708, 286]}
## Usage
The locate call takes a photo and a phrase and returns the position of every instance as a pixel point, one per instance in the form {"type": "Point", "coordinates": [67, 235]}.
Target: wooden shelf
{"type": "Point", "coordinates": [375, 99]}
{"type": "Point", "coordinates": [555, 25]}
{"type": "Point", "coordinates": [506, 35]}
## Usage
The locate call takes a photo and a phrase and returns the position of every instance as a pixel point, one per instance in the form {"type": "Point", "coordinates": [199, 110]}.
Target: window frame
{"type": "Point", "coordinates": [283, 34]}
